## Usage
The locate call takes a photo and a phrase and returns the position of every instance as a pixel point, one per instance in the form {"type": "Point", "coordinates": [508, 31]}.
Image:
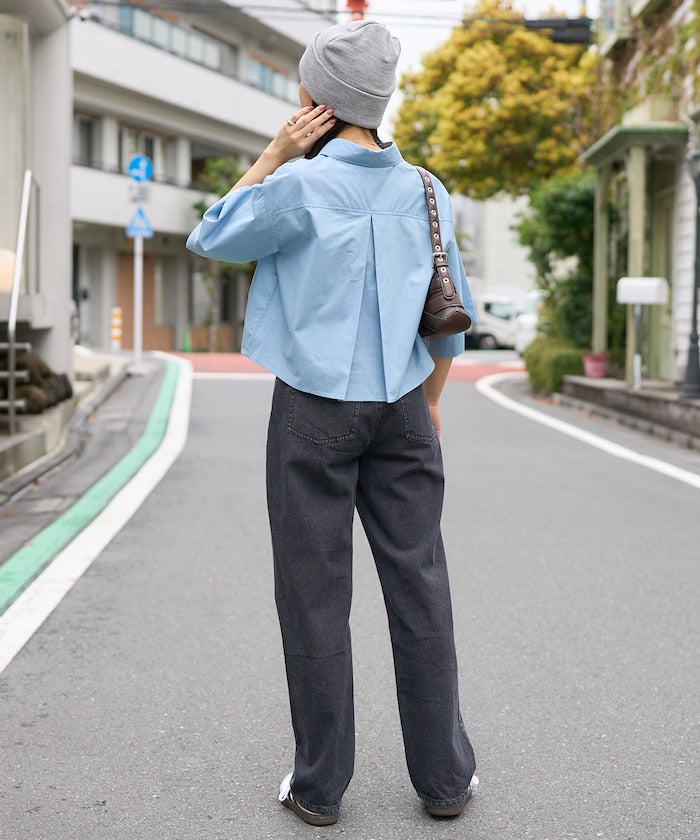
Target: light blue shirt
{"type": "Point", "coordinates": [345, 259]}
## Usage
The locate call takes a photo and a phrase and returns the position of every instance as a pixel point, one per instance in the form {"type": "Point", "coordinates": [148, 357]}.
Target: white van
{"type": "Point", "coordinates": [526, 322]}
{"type": "Point", "coordinates": [497, 322]}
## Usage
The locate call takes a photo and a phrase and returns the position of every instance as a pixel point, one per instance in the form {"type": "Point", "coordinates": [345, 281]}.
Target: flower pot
{"type": "Point", "coordinates": [595, 365]}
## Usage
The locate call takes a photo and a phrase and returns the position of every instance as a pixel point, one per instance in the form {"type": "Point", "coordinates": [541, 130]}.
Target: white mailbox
{"type": "Point", "coordinates": [643, 290]}
{"type": "Point", "coordinates": [638, 291]}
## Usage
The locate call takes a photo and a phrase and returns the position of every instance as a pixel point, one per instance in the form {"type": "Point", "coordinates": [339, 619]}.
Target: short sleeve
{"type": "Point", "coordinates": [238, 228]}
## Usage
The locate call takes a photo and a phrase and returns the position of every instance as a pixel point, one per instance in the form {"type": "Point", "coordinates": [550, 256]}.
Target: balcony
{"type": "Point", "coordinates": [132, 78]}
{"type": "Point", "coordinates": [615, 25]}
{"type": "Point", "coordinates": [105, 198]}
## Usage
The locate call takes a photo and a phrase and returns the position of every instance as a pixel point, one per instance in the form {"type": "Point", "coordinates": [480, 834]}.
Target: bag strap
{"type": "Point", "coordinates": [439, 254]}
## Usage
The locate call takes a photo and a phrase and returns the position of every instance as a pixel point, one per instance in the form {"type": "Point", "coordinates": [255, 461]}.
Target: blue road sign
{"type": "Point", "coordinates": [139, 225]}
{"type": "Point", "coordinates": [141, 168]}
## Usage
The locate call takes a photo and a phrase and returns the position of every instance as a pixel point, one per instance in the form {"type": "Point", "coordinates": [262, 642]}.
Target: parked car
{"type": "Point", "coordinates": [526, 322]}
{"type": "Point", "coordinates": [496, 325]}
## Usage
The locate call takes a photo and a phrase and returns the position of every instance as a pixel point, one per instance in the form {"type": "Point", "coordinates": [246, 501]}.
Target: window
{"type": "Point", "coordinates": [503, 310]}
{"type": "Point", "coordinates": [141, 25]}
{"type": "Point", "coordinates": [161, 33]}
{"type": "Point", "coordinates": [133, 142]}
{"type": "Point", "coordinates": [83, 140]}
{"type": "Point", "coordinates": [614, 23]}
{"type": "Point", "coordinates": [169, 36]}
{"type": "Point", "coordinates": [149, 146]}
{"type": "Point", "coordinates": [178, 41]}
{"type": "Point", "coordinates": [273, 81]}
{"type": "Point", "coordinates": [195, 47]}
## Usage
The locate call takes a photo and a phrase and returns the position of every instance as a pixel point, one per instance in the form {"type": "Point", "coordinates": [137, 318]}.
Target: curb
{"type": "Point", "coordinates": [19, 570]}
{"type": "Point", "coordinates": [71, 445]}
{"type": "Point", "coordinates": [641, 424]}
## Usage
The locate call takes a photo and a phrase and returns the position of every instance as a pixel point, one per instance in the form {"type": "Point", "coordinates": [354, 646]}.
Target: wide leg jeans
{"type": "Point", "coordinates": [326, 458]}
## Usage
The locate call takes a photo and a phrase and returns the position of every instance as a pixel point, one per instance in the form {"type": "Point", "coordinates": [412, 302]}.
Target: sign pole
{"type": "Point", "coordinates": [138, 304]}
{"type": "Point", "coordinates": [638, 346]}
{"type": "Point", "coordinates": [139, 228]}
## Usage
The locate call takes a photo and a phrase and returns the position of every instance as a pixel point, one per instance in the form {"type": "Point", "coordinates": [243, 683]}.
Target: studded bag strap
{"type": "Point", "coordinates": [439, 254]}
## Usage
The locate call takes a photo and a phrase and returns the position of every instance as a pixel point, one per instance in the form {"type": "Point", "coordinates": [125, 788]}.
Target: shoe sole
{"type": "Point", "coordinates": [308, 816]}
{"type": "Point", "coordinates": [452, 810]}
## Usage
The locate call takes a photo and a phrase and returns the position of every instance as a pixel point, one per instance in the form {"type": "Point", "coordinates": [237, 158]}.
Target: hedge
{"type": "Point", "coordinates": [548, 361]}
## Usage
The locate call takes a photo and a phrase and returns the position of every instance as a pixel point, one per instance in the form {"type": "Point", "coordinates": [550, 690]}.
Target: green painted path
{"type": "Point", "coordinates": [26, 564]}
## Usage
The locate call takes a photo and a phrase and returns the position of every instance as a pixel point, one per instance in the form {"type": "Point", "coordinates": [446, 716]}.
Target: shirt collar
{"type": "Point", "coordinates": [352, 153]}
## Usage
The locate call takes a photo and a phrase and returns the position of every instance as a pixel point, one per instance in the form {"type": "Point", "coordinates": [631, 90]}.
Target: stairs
{"type": "Point", "coordinates": [19, 376]}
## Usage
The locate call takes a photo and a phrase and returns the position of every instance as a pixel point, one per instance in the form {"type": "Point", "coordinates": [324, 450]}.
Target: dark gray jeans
{"type": "Point", "coordinates": [324, 459]}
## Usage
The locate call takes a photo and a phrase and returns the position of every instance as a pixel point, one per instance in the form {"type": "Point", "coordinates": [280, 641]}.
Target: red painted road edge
{"type": "Point", "coordinates": [462, 370]}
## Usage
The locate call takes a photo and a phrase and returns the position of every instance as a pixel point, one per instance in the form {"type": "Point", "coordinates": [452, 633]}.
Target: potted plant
{"type": "Point", "coordinates": [595, 365]}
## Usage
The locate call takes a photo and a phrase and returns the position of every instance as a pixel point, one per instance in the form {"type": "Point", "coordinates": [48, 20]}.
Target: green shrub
{"type": "Point", "coordinates": [548, 361]}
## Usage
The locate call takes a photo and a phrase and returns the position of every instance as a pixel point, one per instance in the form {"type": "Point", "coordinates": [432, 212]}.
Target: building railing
{"type": "Point", "coordinates": [186, 43]}
{"type": "Point", "coordinates": [115, 169]}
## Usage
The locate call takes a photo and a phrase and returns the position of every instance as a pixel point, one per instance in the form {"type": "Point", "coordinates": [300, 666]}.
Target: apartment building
{"type": "Point", "coordinates": [36, 104]}
{"type": "Point", "coordinates": [106, 81]}
{"type": "Point", "coordinates": [650, 50]}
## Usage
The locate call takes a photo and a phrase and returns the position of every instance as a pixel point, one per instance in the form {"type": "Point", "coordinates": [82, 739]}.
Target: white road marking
{"type": "Point", "coordinates": [228, 375]}
{"type": "Point", "coordinates": [486, 384]}
{"type": "Point", "coordinates": [24, 617]}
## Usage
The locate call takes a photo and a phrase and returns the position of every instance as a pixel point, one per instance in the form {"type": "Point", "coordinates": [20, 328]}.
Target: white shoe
{"type": "Point", "coordinates": [310, 817]}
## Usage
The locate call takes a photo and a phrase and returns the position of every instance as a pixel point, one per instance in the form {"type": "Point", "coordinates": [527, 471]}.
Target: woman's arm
{"type": "Point", "coordinates": [433, 386]}
{"type": "Point", "coordinates": [293, 140]}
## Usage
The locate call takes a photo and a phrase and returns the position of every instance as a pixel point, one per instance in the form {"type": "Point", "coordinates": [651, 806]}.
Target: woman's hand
{"type": "Point", "coordinates": [435, 417]}
{"type": "Point", "coordinates": [433, 386]}
{"type": "Point", "coordinates": [293, 140]}
{"type": "Point", "coordinates": [301, 131]}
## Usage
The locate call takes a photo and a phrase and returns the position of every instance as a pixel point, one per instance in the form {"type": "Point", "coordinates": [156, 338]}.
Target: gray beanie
{"type": "Point", "coordinates": [352, 67]}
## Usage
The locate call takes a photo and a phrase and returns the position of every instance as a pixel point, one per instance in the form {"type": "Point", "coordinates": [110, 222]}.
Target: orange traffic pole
{"type": "Point", "coordinates": [357, 9]}
{"type": "Point", "coordinates": [116, 334]}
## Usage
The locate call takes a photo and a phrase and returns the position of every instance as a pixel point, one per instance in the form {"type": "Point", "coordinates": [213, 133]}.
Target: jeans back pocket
{"type": "Point", "coordinates": [321, 420]}
{"type": "Point", "coordinates": [418, 424]}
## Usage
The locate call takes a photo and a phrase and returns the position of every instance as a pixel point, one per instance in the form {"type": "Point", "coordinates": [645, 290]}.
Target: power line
{"type": "Point", "coordinates": [406, 18]}
{"type": "Point", "coordinates": [193, 6]}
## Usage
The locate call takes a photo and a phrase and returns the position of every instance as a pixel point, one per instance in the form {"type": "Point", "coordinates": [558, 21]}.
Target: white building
{"type": "Point", "coordinates": [92, 86]}
{"type": "Point", "coordinates": [494, 259]}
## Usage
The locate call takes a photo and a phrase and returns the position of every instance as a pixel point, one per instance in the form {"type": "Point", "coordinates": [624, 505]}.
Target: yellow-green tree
{"type": "Point", "coordinates": [497, 107]}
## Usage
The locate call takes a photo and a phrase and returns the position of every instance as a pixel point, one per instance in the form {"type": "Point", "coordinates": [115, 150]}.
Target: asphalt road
{"type": "Point", "coordinates": [152, 703]}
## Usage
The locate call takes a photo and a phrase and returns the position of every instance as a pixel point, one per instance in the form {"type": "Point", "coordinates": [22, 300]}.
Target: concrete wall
{"type": "Point", "coordinates": [50, 130]}
{"type": "Point", "coordinates": [14, 125]}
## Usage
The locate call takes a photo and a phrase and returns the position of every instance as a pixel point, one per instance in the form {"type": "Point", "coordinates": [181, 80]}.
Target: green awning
{"type": "Point", "coordinates": [655, 135]}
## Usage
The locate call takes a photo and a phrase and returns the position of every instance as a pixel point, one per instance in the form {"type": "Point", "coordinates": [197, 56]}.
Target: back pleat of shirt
{"type": "Point", "coordinates": [367, 368]}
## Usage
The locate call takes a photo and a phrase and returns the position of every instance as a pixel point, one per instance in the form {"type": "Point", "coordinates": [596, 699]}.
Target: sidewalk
{"type": "Point", "coordinates": [65, 493]}
{"type": "Point", "coordinates": [45, 441]}
{"type": "Point", "coordinates": [656, 408]}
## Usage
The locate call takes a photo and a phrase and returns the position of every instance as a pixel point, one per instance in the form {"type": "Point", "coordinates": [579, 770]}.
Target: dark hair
{"type": "Point", "coordinates": [333, 133]}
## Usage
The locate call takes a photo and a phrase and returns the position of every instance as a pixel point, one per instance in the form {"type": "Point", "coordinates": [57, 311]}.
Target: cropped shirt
{"type": "Point", "coordinates": [344, 260]}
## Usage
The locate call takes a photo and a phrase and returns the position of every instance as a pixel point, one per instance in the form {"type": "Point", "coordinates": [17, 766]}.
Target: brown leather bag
{"type": "Point", "coordinates": [443, 313]}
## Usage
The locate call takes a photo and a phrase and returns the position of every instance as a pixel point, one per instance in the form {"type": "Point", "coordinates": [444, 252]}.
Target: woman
{"type": "Point", "coordinates": [344, 256]}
